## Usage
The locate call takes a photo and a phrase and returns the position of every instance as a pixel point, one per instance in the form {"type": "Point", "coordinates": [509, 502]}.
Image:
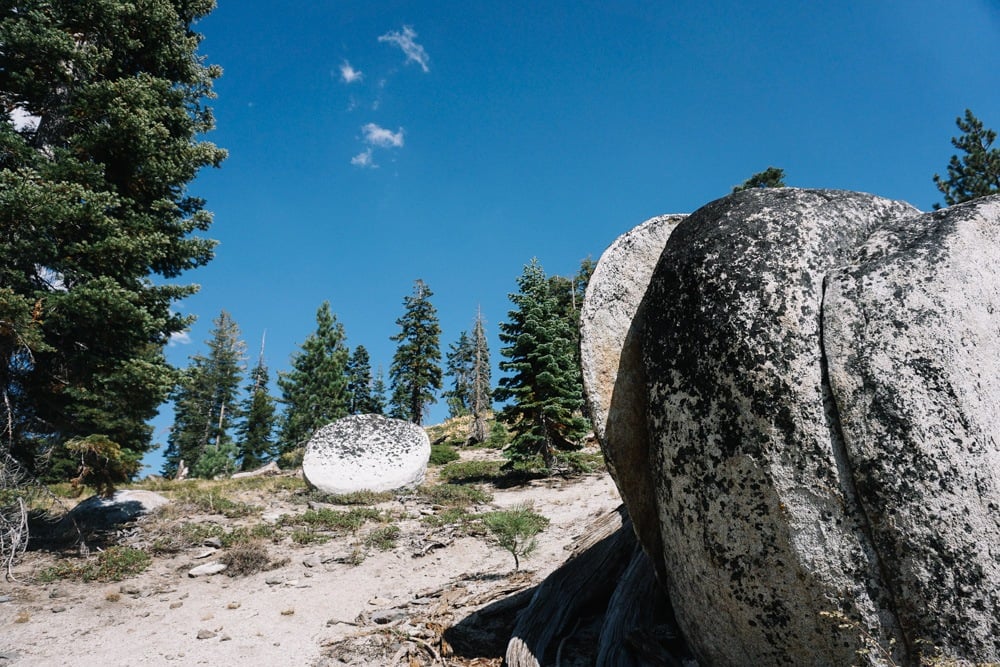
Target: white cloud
{"type": "Point", "coordinates": [22, 120]}
{"type": "Point", "coordinates": [405, 40]}
{"type": "Point", "coordinates": [381, 137]}
{"type": "Point", "coordinates": [180, 338]}
{"type": "Point", "coordinates": [364, 159]}
{"type": "Point", "coordinates": [348, 74]}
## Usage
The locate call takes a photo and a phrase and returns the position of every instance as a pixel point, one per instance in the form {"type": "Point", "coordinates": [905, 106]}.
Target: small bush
{"type": "Point", "coordinates": [442, 453]}
{"type": "Point", "coordinates": [112, 564]}
{"type": "Point", "coordinates": [384, 538]}
{"type": "Point", "coordinates": [515, 530]}
{"type": "Point", "coordinates": [292, 459]}
{"type": "Point", "coordinates": [306, 536]}
{"type": "Point", "coordinates": [580, 462]}
{"type": "Point", "coordinates": [458, 472]}
{"type": "Point", "coordinates": [454, 495]}
{"type": "Point", "coordinates": [246, 559]}
{"type": "Point", "coordinates": [211, 501]}
{"type": "Point", "coordinates": [464, 523]}
{"type": "Point", "coordinates": [326, 519]}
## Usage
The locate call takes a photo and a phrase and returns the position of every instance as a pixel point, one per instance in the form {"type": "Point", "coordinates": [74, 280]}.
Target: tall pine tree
{"type": "Point", "coordinates": [104, 108]}
{"type": "Point", "coordinates": [315, 390]}
{"type": "Point", "coordinates": [975, 174]}
{"type": "Point", "coordinates": [206, 404]}
{"type": "Point", "coordinates": [458, 366]}
{"type": "Point", "coordinates": [544, 398]}
{"type": "Point", "coordinates": [255, 434]}
{"type": "Point", "coordinates": [480, 403]}
{"type": "Point", "coordinates": [415, 372]}
{"type": "Point", "coordinates": [361, 386]}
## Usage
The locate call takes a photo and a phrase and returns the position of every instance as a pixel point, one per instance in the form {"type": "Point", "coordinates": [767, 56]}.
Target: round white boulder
{"type": "Point", "coordinates": [366, 452]}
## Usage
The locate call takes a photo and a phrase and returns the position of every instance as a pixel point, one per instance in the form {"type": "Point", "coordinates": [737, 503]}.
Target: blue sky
{"type": "Point", "coordinates": [374, 143]}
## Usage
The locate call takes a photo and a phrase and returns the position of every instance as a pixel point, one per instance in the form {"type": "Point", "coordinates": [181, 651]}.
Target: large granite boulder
{"type": "Point", "coordinates": [611, 360]}
{"type": "Point", "coordinates": [366, 452]}
{"type": "Point", "coordinates": [822, 403]}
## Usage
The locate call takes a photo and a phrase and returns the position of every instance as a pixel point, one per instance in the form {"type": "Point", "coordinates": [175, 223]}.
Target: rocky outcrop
{"type": "Point", "coordinates": [366, 452]}
{"type": "Point", "coordinates": [100, 513]}
{"type": "Point", "coordinates": [910, 332]}
{"type": "Point", "coordinates": [820, 381]}
{"type": "Point", "coordinates": [611, 360]}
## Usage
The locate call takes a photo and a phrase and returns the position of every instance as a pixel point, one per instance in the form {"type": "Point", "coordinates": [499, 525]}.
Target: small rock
{"type": "Point", "coordinates": [57, 610]}
{"type": "Point", "coordinates": [233, 605]}
{"type": "Point", "coordinates": [205, 554]}
{"type": "Point", "coordinates": [56, 593]}
{"type": "Point", "coordinates": [225, 638]}
{"type": "Point", "coordinates": [213, 542]}
{"type": "Point", "coordinates": [129, 589]}
{"type": "Point", "coordinates": [206, 634]}
{"type": "Point", "coordinates": [387, 616]}
{"type": "Point", "coordinates": [207, 569]}
{"type": "Point", "coordinates": [176, 605]}
{"type": "Point", "coordinates": [5, 598]}
{"type": "Point", "coordinates": [274, 581]}
{"type": "Point", "coordinates": [312, 561]}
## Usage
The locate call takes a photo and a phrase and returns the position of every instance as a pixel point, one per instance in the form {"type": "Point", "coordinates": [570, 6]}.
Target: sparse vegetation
{"type": "Point", "coordinates": [515, 530]}
{"type": "Point", "coordinates": [464, 472]}
{"type": "Point", "coordinates": [454, 495]}
{"type": "Point", "coordinates": [358, 498]}
{"type": "Point", "coordinates": [246, 558]}
{"type": "Point", "coordinates": [333, 520]}
{"type": "Point", "coordinates": [383, 538]}
{"type": "Point", "coordinates": [112, 564]}
{"type": "Point", "coordinates": [442, 453]}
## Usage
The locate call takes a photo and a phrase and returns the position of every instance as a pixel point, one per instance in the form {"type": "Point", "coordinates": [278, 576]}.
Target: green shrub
{"type": "Point", "coordinates": [212, 501]}
{"type": "Point", "coordinates": [112, 564]}
{"type": "Point", "coordinates": [359, 498]}
{"type": "Point", "coordinates": [384, 538]}
{"type": "Point", "coordinates": [246, 558]}
{"type": "Point", "coordinates": [515, 530]}
{"type": "Point", "coordinates": [442, 453]}
{"type": "Point", "coordinates": [292, 459]}
{"type": "Point", "coordinates": [307, 535]}
{"type": "Point", "coordinates": [454, 495]}
{"type": "Point", "coordinates": [458, 472]}
{"type": "Point", "coordinates": [333, 520]}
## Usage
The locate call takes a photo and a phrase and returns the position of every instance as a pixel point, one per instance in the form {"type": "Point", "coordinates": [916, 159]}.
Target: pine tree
{"type": "Point", "coordinates": [255, 434]}
{"type": "Point", "coordinates": [104, 104]}
{"type": "Point", "coordinates": [772, 177]}
{"type": "Point", "coordinates": [315, 390]}
{"type": "Point", "coordinates": [360, 385]}
{"type": "Point", "coordinates": [482, 388]}
{"type": "Point", "coordinates": [415, 372]}
{"type": "Point", "coordinates": [459, 363]}
{"type": "Point", "coordinates": [206, 403]}
{"type": "Point", "coordinates": [378, 393]}
{"type": "Point", "coordinates": [975, 174]}
{"type": "Point", "coordinates": [544, 397]}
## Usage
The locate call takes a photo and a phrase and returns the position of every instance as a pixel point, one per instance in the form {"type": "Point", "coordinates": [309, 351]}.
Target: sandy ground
{"type": "Point", "coordinates": [312, 611]}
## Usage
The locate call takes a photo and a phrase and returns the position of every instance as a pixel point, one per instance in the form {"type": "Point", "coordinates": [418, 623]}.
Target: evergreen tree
{"type": "Point", "coordinates": [415, 372]}
{"type": "Point", "coordinates": [568, 293]}
{"type": "Point", "coordinates": [459, 363]}
{"type": "Point", "coordinates": [482, 388]}
{"type": "Point", "coordinates": [772, 177]}
{"type": "Point", "coordinates": [378, 393]}
{"type": "Point", "coordinates": [104, 105]}
{"type": "Point", "coordinates": [206, 402]}
{"type": "Point", "coordinates": [315, 390]}
{"type": "Point", "coordinates": [543, 394]}
{"type": "Point", "coordinates": [975, 174]}
{"type": "Point", "coordinates": [360, 385]}
{"type": "Point", "coordinates": [256, 432]}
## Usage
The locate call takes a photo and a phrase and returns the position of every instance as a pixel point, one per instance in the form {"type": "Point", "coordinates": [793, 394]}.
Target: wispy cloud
{"type": "Point", "coordinates": [180, 338]}
{"type": "Point", "coordinates": [364, 159]}
{"type": "Point", "coordinates": [348, 74]}
{"type": "Point", "coordinates": [406, 40]}
{"type": "Point", "coordinates": [381, 137]}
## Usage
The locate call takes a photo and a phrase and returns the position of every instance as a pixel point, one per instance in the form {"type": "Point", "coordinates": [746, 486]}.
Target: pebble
{"type": "Point", "coordinates": [5, 598]}
{"type": "Point", "coordinates": [312, 561]}
{"type": "Point", "coordinates": [176, 605]}
{"type": "Point", "coordinates": [56, 610]}
{"type": "Point", "coordinates": [213, 542]}
{"type": "Point", "coordinates": [206, 634]}
{"type": "Point", "coordinates": [205, 554]}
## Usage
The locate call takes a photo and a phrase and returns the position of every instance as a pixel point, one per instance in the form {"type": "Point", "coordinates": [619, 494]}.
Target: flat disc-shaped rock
{"type": "Point", "coordinates": [366, 452]}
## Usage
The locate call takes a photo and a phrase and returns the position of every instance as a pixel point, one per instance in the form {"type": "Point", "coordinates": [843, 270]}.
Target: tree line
{"type": "Point", "coordinates": [106, 104]}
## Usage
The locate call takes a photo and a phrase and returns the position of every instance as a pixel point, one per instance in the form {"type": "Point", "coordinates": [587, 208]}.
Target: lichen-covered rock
{"type": "Point", "coordinates": [611, 360]}
{"type": "Point", "coordinates": [366, 452]}
{"type": "Point", "coordinates": [759, 517]}
{"type": "Point", "coordinates": [98, 513]}
{"type": "Point", "coordinates": [912, 335]}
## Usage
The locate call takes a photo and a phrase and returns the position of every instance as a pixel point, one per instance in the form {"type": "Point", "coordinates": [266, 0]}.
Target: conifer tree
{"type": "Point", "coordinates": [772, 177]}
{"type": "Point", "coordinates": [544, 397]}
{"type": "Point", "coordinates": [315, 390]}
{"type": "Point", "coordinates": [459, 363]}
{"type": "Point", "coordinates": [360, 385]}
{"type": "Point", "coordinates": [103, 107]}
{"type": "Point", "coordinates": [255, 434]}
{"type": "Point", "coordinates": [482, 388]}
{"type": "Point", "coordinates": [378, 393]}
{"type": "Point", "coordinates": [975, 174]}
{"type": "Point", "coordinates": [206, 403]}
{"type": "Point", "coordinates": [415, 372]}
